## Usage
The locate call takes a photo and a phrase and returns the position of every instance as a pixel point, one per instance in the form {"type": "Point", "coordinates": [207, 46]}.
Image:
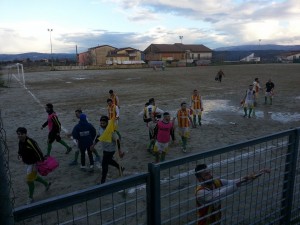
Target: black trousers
{"type": "Point", "coordinates": [82, 151]}
{"type": "Point", "coordinates": [108, 160]}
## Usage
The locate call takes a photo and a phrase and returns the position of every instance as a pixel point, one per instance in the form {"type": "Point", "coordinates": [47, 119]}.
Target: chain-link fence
{"type": "Point", "coordinates": [6, 191]}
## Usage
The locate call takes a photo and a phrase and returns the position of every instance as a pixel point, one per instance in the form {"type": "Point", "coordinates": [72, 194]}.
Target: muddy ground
{"type": "Point", "coordinates": [223, 123]}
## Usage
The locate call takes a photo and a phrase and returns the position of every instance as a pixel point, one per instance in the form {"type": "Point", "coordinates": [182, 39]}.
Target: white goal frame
{"type": "Point", "coordinates": [15, 71]}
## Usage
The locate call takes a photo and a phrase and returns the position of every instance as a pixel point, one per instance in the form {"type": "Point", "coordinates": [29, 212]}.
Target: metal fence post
{"type": "Point", "coordinates": [154, 206]}
{"type": "Point", "coordinates": [5, 206]}
{"type": "Point", "coordinates": [289, 178]}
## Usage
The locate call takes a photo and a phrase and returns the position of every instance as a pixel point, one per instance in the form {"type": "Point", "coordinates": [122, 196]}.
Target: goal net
{"type": "Point", "coordinates": [14, 72]}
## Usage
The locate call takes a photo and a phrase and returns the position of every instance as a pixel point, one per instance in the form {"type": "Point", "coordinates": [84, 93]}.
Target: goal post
{"type": "Point", "coordinates": [15, 71]}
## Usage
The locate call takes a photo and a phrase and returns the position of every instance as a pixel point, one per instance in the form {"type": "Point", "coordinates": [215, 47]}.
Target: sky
{"type": "Point", "coordinates": [25, 26]}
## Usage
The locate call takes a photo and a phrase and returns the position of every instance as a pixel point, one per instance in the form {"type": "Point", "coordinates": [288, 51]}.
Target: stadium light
{"type": "Point", "coordinates": [50, 30]}
{"type": "Point", "coordinates": [180, 37]}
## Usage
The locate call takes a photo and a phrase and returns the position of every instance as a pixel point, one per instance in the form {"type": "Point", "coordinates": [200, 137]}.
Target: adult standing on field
{"type": "Point", "coordinates": [184, 120]}
{"type": "Point", "coordinates": [112, 110]}
{"type": "Point", "coordinates": [108, 148]}
{"type": "Point", "coordinates": [85, 133]}
{"type": "Point", "coordinates": [220, 74]}
{"type": "Point", "coordinates": [248, 101]}
{"type": "Point", "coordinates": [256, 88]}
{"type": "Point", "coordinates": [196, 106]}
{"type": "Point", "coordinates": [210, 192]}
{"type": "Point", "coordinates": [115, 99]}
{"type": "Point", "coordinates": [54, 127]}
{"type": "Point", "coordinates": [30, 153]}
{"type": "Point", "coordinates": [269, 91]}
{"type": "Point", "coordinates": [151, 112]}
{"type": "Point", "coordinates": [162, 133]}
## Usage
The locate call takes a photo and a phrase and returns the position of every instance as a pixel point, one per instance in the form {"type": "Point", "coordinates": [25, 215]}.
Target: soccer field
{"type": "Point", "coordinates": [222, 119]}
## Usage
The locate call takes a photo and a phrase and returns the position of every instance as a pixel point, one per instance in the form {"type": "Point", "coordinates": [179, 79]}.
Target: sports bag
{"type": "Point", "coordinates": [47, 166]}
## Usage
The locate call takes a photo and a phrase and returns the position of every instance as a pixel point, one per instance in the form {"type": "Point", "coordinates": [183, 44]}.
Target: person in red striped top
{"type": "Point", "coordinates": [196, 106]}
{"type": "Point", "coordinates": [184, 120]}
{"type": "Point", "coordinates": [115, 99]}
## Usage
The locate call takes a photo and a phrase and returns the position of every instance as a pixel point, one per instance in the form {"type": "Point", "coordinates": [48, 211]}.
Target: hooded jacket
{"type": "Point", "coordinates": [84, 133]}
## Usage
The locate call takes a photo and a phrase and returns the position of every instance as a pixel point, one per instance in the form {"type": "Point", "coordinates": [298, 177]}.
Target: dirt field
{"type": "Point", "coordinates": [223, 122]}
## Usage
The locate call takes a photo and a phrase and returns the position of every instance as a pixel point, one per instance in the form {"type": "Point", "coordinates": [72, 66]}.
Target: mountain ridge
{"type": "Point", "coordinates": [36, 56]}
{"type": "Point", "coordinates": [260, 48]}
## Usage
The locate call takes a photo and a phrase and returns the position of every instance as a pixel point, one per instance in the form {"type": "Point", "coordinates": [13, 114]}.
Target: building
{"type": "Point", "coordinates": [289, 57]}
{"type": "Point", "coordinates": [98, 54]}
{"type": "Point", "coordinates": [109, 55]}
{"type": "Point", "coordinates": [83, 59]}
{"type": "Point", "coordinates": [177, 52]}
{"type": "Point", "coordinates": [250, 58]}
{"type": "Point", "coordinates": [124, 56]}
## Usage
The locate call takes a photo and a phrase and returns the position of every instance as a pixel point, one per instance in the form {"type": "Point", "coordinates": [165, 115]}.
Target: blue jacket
{"type": "Point", "coordinates": [84, 133]}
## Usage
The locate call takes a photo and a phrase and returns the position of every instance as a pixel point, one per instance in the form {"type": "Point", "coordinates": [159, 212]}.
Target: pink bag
{"type": "Point", "coordinates": [47, 166]}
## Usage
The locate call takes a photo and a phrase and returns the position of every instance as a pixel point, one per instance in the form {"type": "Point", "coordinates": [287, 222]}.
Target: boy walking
{"type": "Point", "coordinates": [54, 129]}
{"type": "Point", "coordinates": [30, 153]}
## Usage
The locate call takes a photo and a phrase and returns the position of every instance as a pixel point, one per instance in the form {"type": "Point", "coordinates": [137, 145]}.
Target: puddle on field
{"type": "Point", "coordinates": [213, 113]}
{"type": "Point", "coordinates": [298, 98]}
{"type": "Point", "coordinates": [133, 78]}
{"type": "Point", "coordinates": [223, 105]}
{"type": "Point", "coordinates": [68, 82]}
{"type": "Point", "coordinates": [80, 78]}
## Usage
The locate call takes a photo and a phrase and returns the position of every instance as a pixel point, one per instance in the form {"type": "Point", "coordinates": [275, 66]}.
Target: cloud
{"type": "Point", "coordinates": [138, 23]}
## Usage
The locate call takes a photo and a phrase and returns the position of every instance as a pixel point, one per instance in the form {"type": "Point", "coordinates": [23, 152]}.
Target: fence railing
{"type": "Point", "coordinates": [166, 194]}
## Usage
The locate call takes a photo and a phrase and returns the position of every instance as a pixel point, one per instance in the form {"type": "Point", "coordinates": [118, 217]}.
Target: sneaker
{"type": "Point", "coordinates": [48, 186]}
{"type": "Point", "coordinates": [97, 159]}
{"type": "Point", "coordinates": [245, 116]}
{"type": "Point", "coordinates": [83, 168]}
{"type": "Point", "coordinates": [68, 150]}
{"type": "Point", "coordinates": [91, 169]}
{"type": "Point", "coordinates": [73, 163]}
{"type": "Point", "coordinates": [184, 149]}
{"type": "Point", "coordinates": [29, 201]}
{"type": "Point", "coordinates": [121, 171]}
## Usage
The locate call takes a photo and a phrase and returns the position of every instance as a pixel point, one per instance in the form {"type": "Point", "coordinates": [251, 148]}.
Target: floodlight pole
{"type": "Point", "coordinates": [180, 37]}
{"type": "Point", "coordinates": [50, 31]}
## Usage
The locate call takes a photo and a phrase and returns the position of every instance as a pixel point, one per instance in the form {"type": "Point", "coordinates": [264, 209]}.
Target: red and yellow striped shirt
{"type": "Point", "coordinates": [183, 117]}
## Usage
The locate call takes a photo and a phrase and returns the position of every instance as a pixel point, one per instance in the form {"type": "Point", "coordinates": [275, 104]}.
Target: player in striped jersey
{"type": "Point", "coordinates": [196, 106]}
{"type": "Point", "coordinates": [184, 120]}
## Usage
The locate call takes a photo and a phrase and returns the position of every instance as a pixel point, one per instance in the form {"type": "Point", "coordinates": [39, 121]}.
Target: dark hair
{"type": "Point", "coordinates": [166, 114]}
{"type": "Point", "coordinates": [182, 103]}
{"type": "Point", "coordinates": [199, 168]}
{"type": "Point", "coordinates": [49, 105]}
{"type": "Point", "coordinates": [109, 100]}
{"type": "Point", "coordinates": [21, 130]}
{"type": "Point", "coordinates": [104, 118]}
{"type": "Point", "coordinates": [256, 79]}
{"type": "Point", "coordinates": [151, 100]}
{"type": "Point", "coordinates": [111, 91]}
{"type": "Point", "coordinates": [78, 110]}
{"type": "Point", "coordinates": [147, 103]}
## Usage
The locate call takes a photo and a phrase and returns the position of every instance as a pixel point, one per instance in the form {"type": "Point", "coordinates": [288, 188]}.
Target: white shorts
{"type": "Point", "coordinates": [197, 112]}
{"type": "Point", "coordinates": [269, 94]}
{"type": "Point", "coordinates": [184, 131]}
{"type": "Point", "coordinates": [161, 147]}
{"type": "Point", "coordinates": [249, 104]}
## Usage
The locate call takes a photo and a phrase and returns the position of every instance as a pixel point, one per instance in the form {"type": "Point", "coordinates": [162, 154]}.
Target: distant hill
{"type": "Point", "coordinates": [34, 56]}
{"type": "Point", "coordinates": [260, 48]}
